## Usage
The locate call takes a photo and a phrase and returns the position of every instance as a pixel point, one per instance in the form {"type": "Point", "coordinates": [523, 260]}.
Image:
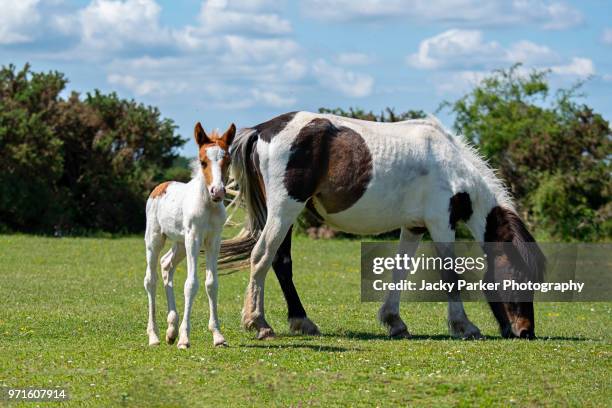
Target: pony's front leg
{"type": "Point", "coordinates": [280, 218]}
{"type": "Point", "coordinates": [458, 323]}
{"type": "Point", "coordinates": [212, 251]}
{"type": "Point", "coordinates": [192, 247]}
{"type": "Point", "coordinates": [388, 313]}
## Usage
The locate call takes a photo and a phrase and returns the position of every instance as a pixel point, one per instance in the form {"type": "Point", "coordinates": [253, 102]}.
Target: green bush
{"type": "Point", "coordinates": [77, 164]}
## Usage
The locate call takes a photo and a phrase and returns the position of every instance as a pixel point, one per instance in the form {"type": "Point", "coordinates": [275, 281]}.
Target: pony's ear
{"type": "Point", "coordinates": [200, 136]}
{"type": "Point", "coordinates": [229, 134]}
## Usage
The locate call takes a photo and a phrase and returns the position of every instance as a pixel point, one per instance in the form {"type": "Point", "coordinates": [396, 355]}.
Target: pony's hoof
{"type": "Point", "coordinates": [266, 334]}
{"type": "Point", "coordinates": [221, 344]}
{"type": "Point", "coordinates": [303, 326]}
{"type": "Point", "coordinates": [465, 330]}
{"type": "Point", "coordinates": [401, 333]}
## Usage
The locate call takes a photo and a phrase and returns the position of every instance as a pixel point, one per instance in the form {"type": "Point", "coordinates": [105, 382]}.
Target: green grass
{"type": "Point", "coordinates": [73, 315]}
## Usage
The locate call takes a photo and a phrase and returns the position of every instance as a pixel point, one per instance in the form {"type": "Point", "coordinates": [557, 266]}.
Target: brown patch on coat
{"type": "Point", "coordinates": [267, 130]}
{"type": "Point", "coordinates": [160, 189]}
{"type": "Point", "coordinates": [460, 209]}
{"type": "Point", "coordinates": [332, 164]}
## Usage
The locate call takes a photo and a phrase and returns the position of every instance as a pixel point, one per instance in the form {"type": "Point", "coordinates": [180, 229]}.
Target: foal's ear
{"type": "Point", "coordinates": [229, 134]}
{"type": "Point", "coordinates": [200, 136]}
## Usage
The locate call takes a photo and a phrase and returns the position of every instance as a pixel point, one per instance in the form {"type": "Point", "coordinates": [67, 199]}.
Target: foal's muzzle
{"type": "Point", "coordinates": [217, 193]}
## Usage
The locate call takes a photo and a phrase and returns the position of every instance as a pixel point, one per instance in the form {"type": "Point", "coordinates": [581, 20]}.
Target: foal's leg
{"type": "Point", "coordinates": [458, 323]}
{"type": "Point", "coordinates": [280, 218]}
{"type": "Point", "coordinates": [388, 313]}
{"type": "Point", "coordinates": [193, 241]}
{"type": "Point", "coordinates": [283, 268]}
{"type": "Point", "coordinates": [154, 242]}
{"type": "Point", "coordinates": [212, 252]}
{"type": "Point", "coordinates": [169, 262]}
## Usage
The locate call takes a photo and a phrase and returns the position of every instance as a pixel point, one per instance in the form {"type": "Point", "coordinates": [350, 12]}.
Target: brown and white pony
{"type": "Point", "coordinates": [366, 178]}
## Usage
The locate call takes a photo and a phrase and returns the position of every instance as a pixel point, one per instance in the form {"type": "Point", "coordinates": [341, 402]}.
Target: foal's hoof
{"type": "Point", "coordinates": [171, 335]}
{"type": "Point", "coordinates": [266, 334]}
{"type": "Point", "coordinates": [153, 340]}
{"type": "Point", "coordinates": [303, 326]}
{"type": "Point", "coordinates": [219, 340]}
{"type": "Point", "coordinates": [183, 345]}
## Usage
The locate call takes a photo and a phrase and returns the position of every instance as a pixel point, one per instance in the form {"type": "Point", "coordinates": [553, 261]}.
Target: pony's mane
{"type": "Point", "coordinates": [476, 159]}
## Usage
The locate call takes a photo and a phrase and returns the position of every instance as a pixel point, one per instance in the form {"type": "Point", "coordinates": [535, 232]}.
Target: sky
{"type": "Point", "coordinates": [246, 61]}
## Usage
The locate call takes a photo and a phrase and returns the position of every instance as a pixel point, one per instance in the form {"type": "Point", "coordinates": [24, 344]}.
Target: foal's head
{"type": "Point", "coordinates": [214, 158]}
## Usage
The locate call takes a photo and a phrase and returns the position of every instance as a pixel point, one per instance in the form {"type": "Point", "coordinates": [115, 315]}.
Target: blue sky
{"type": "Point", "coordinates": [245, 61]}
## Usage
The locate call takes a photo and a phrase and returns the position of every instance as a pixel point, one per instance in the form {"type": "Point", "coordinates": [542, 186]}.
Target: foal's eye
{"type": "Point", "coordinates": [203, 163]}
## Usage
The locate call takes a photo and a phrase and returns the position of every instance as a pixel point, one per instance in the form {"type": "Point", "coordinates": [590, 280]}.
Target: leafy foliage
{"type": "Point", "coordinates": [387, 115]}
{"type": "Point", "coordinates": [553, 152]}
{"type": "Point", "coordinates": [76, 164]}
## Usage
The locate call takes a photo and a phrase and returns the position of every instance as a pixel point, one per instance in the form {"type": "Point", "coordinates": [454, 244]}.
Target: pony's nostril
{"type": "Point", "coordinates": [526, 334]}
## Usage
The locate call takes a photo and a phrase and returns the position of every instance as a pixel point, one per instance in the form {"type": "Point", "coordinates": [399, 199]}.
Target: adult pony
{"type": "Point", "coordinates": [190, 215]}
{"type": "Point", "coordinates": [366, 178]}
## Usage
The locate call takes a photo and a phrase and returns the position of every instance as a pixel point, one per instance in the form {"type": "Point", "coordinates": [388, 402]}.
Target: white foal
{"type": "Point", "coordinates": [190, 215]}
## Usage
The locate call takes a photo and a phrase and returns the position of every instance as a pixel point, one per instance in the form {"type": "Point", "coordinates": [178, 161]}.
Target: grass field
{"type": "Point", "coordinates": [73, 315]}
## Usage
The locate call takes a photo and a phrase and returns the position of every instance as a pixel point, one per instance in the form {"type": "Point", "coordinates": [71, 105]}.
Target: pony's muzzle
{"type": "Point", "coordinates": [217, 193]}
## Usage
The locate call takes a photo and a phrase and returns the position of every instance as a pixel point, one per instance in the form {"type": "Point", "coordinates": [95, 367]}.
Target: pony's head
{"type": "Point", "coordinates": [214, 158]}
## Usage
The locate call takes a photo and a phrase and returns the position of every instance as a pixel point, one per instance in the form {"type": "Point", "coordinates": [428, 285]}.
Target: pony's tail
{"type": "Point", "coordinates": [506, 235]}
{"type": "Point", "coordinates": [235, 252]}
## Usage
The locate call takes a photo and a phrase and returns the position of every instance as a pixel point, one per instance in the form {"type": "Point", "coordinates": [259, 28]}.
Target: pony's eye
{"type": "Point", "coordinates": [203, 163]}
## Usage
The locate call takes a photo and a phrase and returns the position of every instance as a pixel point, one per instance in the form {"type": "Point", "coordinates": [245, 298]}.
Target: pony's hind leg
{"type": "Point", "coordinates": [280, 218]}
{"type": "Point", "coordinates": [212, 287]}
{"type": "Point", "coordinates": [458, 323]}
{"type": "Point", "coordinates": [154, 242]}
{"type": "Point", "coordinates": [388, 313]}
{"type": "Point", "coordinates": [169, 262]}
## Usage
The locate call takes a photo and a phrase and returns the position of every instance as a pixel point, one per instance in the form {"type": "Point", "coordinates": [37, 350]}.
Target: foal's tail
{"type": "Point", "coordinates": [235, 252]}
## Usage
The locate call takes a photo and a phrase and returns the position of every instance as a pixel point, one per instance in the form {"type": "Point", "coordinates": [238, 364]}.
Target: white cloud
{"type": "Point", "coordinates": [606, 37]}
{"type": "Point", "coordinates": [467, 51]}
{"type": "Point", "coordinates": [353, 58]}
{"type": "Point", "coordinates": [530, 53]}
{"type": "Point", "coordinates": [543, 13]}
{"type": "Point", "coordinates": [240, 49]}
{"type": "Point", "coordinates": [581, 67]}
{"type": "Point", "coordinates": [17, 19]}
{"type": "Point", "coordinates": [454, 48]}
{"type": "Point", "coordinates": [142, 87]}
{"type": "Point", "coordinates": [273, 99]}
{"type": "Point", "coordinates": [346, 82]}
{"type": "Point", "coordinates": [245, 16]}
{"type": "Point", "coordinates": [111, 24]}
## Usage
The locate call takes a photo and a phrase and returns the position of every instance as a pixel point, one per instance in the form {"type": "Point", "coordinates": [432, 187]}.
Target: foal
{"type": "Point", "coordinates": [189, 214]}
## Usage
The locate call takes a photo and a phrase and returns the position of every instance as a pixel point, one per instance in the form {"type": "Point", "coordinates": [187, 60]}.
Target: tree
{"type": "Point", "coordinates": [78, 164]}
{"type": "Point", "coordinates": [553, 152]}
